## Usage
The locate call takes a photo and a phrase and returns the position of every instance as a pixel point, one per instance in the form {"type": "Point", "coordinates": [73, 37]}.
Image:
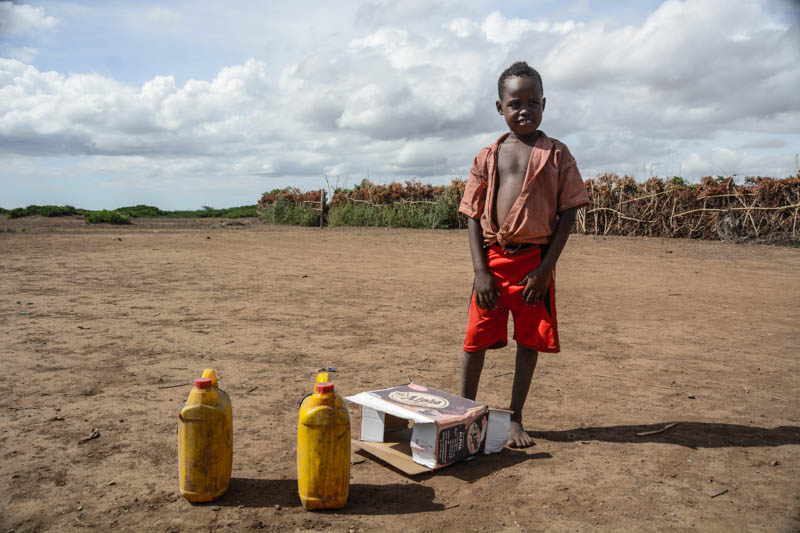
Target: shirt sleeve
{"type": "Point", "coordinates": [571, 189]}
{"type": "Point", "coordinates": [474, 199]}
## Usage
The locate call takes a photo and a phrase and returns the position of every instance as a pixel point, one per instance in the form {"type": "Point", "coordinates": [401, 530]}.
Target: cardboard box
{"type": "Point", "coordinates": [418, 429]}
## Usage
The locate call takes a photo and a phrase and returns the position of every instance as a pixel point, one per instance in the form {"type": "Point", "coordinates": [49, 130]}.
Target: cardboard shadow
{"type": "Point", "coordinates": [480, 467]}
{"type": "Point", "coordinates": [689, 434]}
{"type": "Point", "coordinates": [394, 498]}
{"type": "Point", "coordinates": [472, 470]}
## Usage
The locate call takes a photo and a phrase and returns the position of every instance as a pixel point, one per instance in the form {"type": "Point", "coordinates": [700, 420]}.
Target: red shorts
{"type": "Point", "coordinates": [534, 325]}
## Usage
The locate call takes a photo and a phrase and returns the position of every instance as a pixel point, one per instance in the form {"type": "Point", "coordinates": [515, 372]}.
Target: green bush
{"type": "Point", "coordinates": [108, 217]}
{"type": "Point", "coordinates": [141, 211]}
{"type": "Point", "coordinates": [148, 211]}
{"type": "Point", "coordinates": [44, 211]}
{"type": "Point", "coordinates": [291, 213]}
{"type": "Point", "coordinates": [243, 211]}
{"type": "Point", "coordinates": [441, 214]}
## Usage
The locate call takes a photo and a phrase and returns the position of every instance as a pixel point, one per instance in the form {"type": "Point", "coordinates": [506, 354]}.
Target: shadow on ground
{"type": "Point", "coordinates": [689, 434]}
{"type": "Point", "coordinates": [470, 471]}
{"type": "Point", "coordinates": [395, 498]}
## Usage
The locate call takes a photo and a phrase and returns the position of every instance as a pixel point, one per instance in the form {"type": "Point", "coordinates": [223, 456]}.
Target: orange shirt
{"type": "Point", "coordinates": [552, 184]}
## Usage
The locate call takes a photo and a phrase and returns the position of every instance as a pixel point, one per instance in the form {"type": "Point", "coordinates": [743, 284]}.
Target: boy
{"type": "Point", "coordinates": [521, 197]}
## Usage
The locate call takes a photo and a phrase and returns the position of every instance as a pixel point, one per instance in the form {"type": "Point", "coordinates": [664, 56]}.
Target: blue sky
{"type": "Point", "coordinates": [185, 104]}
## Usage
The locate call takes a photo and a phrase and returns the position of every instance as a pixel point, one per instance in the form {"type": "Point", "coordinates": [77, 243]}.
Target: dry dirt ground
{"type": "Point", "coordinates": [97, 322]}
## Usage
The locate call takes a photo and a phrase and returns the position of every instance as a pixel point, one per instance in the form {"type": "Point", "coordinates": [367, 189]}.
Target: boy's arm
{"type": "Point", "coordinates": [485, 288]}
{"type": "Point", "coordinates": [537, 280]}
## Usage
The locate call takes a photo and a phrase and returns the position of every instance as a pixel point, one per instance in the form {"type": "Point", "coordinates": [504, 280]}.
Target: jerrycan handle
{"type": "Point", "coordinates": [322, 377]}
{"type": "Point", "coordinates": [209, 373]}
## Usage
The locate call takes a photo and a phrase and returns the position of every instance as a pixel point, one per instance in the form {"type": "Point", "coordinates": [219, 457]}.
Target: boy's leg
{"type": "Point", "coordinates": [471, 367]}
{"type": "Point", "coordinates": [523, 374]}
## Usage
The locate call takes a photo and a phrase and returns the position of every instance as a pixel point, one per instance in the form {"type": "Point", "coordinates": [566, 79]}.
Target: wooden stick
{"type": "Point", "coordinates": [739, 209]}
{"type": "Point", "coordinates": [173, 386]}
{"type": "Point", "coordinates": [645, 433]}
{"type": "Point", "coordinates": [619, 214]}
{"type": "Point", "coordinates": [720, 493]}
{"type": "Point", "coordinates": [620, 379]}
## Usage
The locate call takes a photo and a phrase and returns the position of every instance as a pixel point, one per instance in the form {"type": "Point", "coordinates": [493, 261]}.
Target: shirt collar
{"type": "Point", "coordinates": [543, 141]}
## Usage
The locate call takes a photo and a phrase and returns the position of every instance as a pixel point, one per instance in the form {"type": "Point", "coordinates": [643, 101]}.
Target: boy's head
{"type": "Point", "coordinates": [521, 98]}
{"type": "Point", "coordinates": [518, 69]}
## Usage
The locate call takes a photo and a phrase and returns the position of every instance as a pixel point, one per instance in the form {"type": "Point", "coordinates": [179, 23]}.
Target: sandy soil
{"type": "Point", "coordinates": [95, 322]}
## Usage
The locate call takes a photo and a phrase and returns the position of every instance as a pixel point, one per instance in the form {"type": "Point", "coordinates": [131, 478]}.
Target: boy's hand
{"type": "Point", "coordinates": [536, 283]}
{"type": "Point", "coordinates": [486, 291]}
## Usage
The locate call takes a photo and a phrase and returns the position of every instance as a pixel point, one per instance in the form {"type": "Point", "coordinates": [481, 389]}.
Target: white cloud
{"type": "Point", "coordinates": [17, 19]}
{"type": "Point", "coordinates": [47, 112]}
{"type": "Point", "coordinates": [413, 95]}
{"type": "Point", "coordinates": [501, 30]}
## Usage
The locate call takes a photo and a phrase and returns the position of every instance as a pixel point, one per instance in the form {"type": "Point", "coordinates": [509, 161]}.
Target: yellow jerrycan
{"type": "Point", "coordinates": [205, 441]}
{"type": "Point", "coordinates": [323, 450]}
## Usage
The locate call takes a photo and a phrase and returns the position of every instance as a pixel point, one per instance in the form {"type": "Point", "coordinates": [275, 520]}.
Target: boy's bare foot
{"type": "Point", "coordinates": [518, 437]}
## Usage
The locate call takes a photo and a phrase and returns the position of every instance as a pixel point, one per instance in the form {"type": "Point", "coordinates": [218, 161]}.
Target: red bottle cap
{"type": "Point", "coordinates": [324, 387]}
{"type": "Point", "coordinates": [203, 383]}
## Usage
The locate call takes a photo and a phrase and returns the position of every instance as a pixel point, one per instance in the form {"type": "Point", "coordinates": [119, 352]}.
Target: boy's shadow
{"type": "Point", "coordinates": [689, 434]}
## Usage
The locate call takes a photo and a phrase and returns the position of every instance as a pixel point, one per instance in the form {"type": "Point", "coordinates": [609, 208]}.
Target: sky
{"type": "Point", "coordinates": [204, 103]}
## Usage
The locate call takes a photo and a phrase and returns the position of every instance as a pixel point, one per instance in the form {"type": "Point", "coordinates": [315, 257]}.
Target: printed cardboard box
{"type": "Point", "coordinates": [418, 429]}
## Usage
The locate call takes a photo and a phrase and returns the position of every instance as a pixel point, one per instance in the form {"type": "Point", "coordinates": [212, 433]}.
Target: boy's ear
{"type": "Point", "coordinates": [499, 106]}
{"type": "Point", "coordinates": [544, 102]}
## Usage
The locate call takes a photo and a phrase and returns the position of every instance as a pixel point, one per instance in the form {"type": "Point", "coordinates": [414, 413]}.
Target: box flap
{"type": "Point", "coordinates": [418, 403]}
{"type": "Point", "coordinates": [397, 454]}
{"type": "Point", "coordinates": [497, 430]}
{"type": "Point", "coordinates": [379, 404]}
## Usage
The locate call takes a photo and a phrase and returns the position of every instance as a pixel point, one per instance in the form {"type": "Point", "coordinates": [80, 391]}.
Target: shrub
{"type": "Point", "coordinates": [44, 211]}
{"type": "Point", "coordinates": [284, 211]}
{"type": "Point", "coordinates": [108, 217]}
{"type": "Point", "coordinates": [141, 211]}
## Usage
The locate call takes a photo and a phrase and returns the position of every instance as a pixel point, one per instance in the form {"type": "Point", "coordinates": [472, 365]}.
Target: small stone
{"type": "Point", "coordinates": [277, 507]}
{"type": "Point", "coordinates": [692, 396]}
{"type": "Point", "coordinates": [215, 508]}
{"type": "Point", "coordinates": [774, 463]}
{"type": "Point", "coordinates": [80, 507]}
{"type": "Point", "coordinates": [112, 483]}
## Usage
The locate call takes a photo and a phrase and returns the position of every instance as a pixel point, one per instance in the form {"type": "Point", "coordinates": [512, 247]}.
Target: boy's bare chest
{"type": "Point", "coordinates": [512, 164]}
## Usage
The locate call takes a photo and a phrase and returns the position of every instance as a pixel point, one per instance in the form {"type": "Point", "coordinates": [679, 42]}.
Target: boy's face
{"type": "Point", "coordinates": [522, 105]}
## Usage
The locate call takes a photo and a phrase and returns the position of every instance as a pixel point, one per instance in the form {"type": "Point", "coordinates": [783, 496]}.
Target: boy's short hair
{"type": "Point", "coordinates": [520, 68]}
